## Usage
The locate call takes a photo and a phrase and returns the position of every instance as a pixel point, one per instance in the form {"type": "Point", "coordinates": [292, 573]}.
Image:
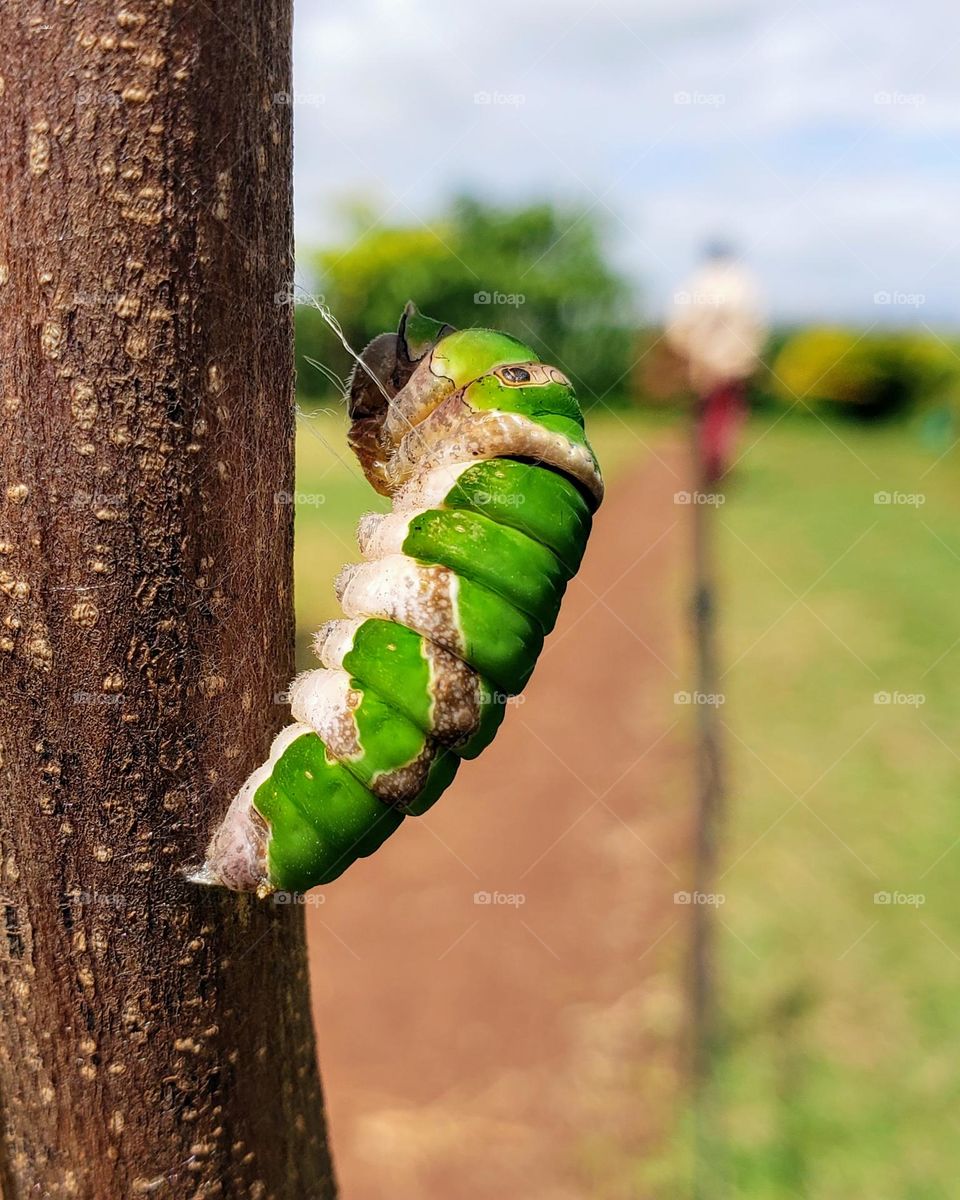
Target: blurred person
{"type": "Point", "coordinates": [717, 328]}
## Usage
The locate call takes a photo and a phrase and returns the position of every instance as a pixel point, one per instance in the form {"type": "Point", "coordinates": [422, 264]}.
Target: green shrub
{"type": "Point", "coordinates": [866, 375]}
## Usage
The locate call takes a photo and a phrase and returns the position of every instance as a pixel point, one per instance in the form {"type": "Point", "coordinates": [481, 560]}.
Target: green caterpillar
{"type": "Point", "coordinates": [482, 449]}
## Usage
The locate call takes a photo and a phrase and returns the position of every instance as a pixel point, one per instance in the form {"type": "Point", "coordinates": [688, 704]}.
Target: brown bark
{"type": "Point", "coordinates": [155, 1038]}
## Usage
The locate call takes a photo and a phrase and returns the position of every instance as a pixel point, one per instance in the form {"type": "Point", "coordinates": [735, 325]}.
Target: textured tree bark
{"type": "Point", "coordinates": [155, 1038]}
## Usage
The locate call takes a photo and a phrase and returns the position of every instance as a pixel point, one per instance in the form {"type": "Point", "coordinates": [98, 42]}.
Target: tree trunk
{"type": "Point", "coordinates": [155, 1037]}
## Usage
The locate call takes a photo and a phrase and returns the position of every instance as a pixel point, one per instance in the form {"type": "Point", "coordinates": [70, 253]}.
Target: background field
{"type": "Point", "coordinates": [836, 1077]}
{"type": "Point", "coordinates": [836, 1074]}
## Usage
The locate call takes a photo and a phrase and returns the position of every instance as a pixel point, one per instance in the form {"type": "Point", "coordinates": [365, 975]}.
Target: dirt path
{"type": "Point", "coordinates": [529, 1046]}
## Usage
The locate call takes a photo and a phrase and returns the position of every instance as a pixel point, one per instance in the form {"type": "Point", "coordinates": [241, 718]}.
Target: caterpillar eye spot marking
{"type": "Point", "coordinates": [493, 487]}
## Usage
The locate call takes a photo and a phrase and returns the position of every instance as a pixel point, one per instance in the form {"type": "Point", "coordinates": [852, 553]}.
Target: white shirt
{"type": "Point", "coordinates": [716, 324]}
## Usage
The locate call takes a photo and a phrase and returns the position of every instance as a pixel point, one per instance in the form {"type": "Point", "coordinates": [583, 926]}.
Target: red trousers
{"type": "Point", "coordinates": [722, 414]}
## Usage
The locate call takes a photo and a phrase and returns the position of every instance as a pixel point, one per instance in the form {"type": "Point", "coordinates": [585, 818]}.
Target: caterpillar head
{"type": "Point", "coordinates": [495, 371]}
{"type": "Point", "coordinates": [429, 391]}
{"type": "Point", "coordinates": [436, 359]}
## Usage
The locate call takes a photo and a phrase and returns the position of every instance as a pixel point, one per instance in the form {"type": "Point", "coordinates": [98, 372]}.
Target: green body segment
{"type": "Point", "coordinates": [394, 661]}
{"type": "Point", "coordinates": [390, 747]}
{"type": "Point", "coordinates": [321, 817]}
{"type": "Point", "coordinates": [522, 571]}
{"type": "Point", "coordinates": [390, 658]}
{"type": "Point", "coordinates": [533, 500]}
{"type": "Point", "coordinates": [499, 640]}
{"type": "Point", "coordinates": [387, 739]}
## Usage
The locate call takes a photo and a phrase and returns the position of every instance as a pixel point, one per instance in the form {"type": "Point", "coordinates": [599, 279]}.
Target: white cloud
{"type": "Point", "coordinates": [824, 135]}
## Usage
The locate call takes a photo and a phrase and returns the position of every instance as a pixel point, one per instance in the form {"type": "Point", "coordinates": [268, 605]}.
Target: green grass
{"type": "Point", "coordinates": [331, 495]}
{"type": "Point", "coordinates": [837, 1077]}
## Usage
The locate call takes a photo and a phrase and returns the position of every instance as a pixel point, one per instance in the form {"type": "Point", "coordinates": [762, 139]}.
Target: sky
{"type": "Point", "coordinates": [821, 137]}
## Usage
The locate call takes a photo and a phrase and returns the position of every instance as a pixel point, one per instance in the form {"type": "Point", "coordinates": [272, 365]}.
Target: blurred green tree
{"type": "Point", "coordinates": [538, 272]}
